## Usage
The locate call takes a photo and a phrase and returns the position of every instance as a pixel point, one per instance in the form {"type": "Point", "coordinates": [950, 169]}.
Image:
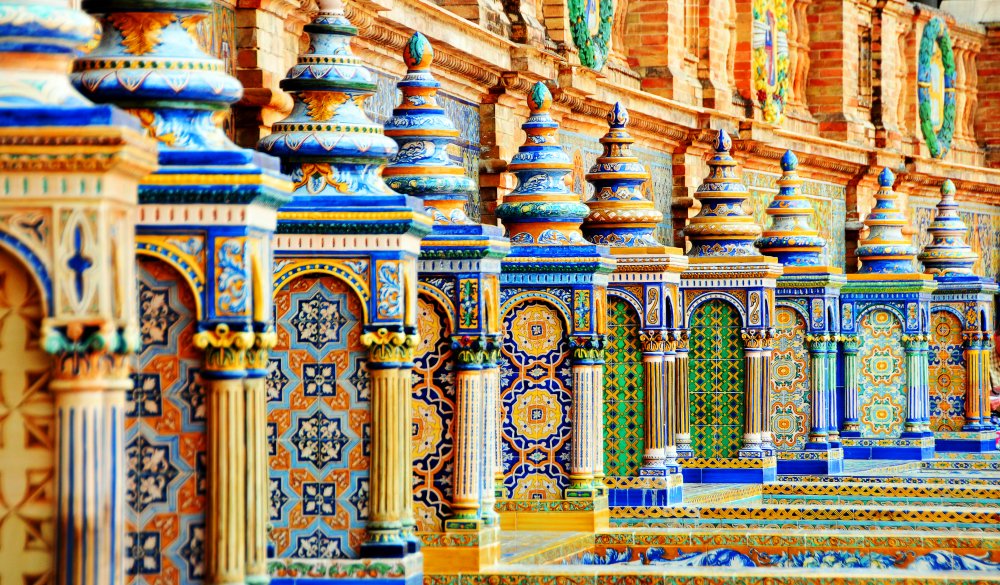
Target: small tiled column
{"type": "Point", "coordinates": [766, 438]}
{"type": "Point", "coordinates": [257, 492]}
{"type": "Point", "coordinates": [819, 392]}
{"type": "Point", "coordinates": [852, 423]}
{"type": "Point", "coordinates": [683, 405]}
{"type": "Point", "coordinates": [670, 399]}
{"type": "Point", "coordinates": [597, 371]}
{"type": "Point", "coordinates": [753, 375]}
{"type": "Point", "coordinates": [581, 466]}
{"type": "Point", "coordinates": [225, 367]}
{"type": "Point", "coordinates": [833, 430]}
{"type": "Point", "coordinates": [468, 432]}
{"type": "Point", "coordinates": [915, 401]}
{"type": "Point", "coordinates": [493, 471]}
{"type": "Point", "coordinates": [977, 361]}
{"type": "Point", "coordinates": [654, 380]}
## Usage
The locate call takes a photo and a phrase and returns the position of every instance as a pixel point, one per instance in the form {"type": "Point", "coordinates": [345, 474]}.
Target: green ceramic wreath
{"type": "Point", "coordinates": [593, 49]}
{"type": "Point", "coordinates": [936, 36]}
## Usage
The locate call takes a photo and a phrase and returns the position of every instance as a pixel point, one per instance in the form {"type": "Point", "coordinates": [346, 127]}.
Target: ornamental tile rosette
{"type": "Point", "coordinates": [149, 62]}
{"type": "Point", "coordinates": [936, 87]}
{"type": "Point", "coordinates": [423, 132]}
{"type": "Point", "coordinates": [886, 250]}
{"type": "Point", "coordinates": [770, 57]}
{"type": "Point", "coordinates": [947, 252]}
{"type": "Point", "coordinates": [327, 144]}
{"type": "Point", "coordinates": [541, 209]}
{"type": "Point", "coordinates": [722, 227]}
{"type": "Point", "coordinates": [792, 239]}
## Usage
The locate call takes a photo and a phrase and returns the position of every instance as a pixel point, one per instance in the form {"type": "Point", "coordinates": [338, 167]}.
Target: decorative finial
{"type": "Point", "coordinates": [792, 239]}
{"type": "Point", "coordinates": [418, 53]}
{"type": "Point", "coordinates": [149, 62]}
{"type": "Point", "coordinates": [620, 215]}
{"type": "Point", "coordinates": [618, 117]}
{"type": "Point", "coordinates": [722, 228]}
{"type": "Point", "coordinates": [423, 131]}
{"type": "Point", "coordinates": [540, 99]}
{"type": "Point", "coordinates": [885, 250]}
{"type": "Point", "coordinates": [541, 209]}
{"type": "Point", "coordinates": [327, 144]}
{"type": "Point", "coordinates": [948, 253]}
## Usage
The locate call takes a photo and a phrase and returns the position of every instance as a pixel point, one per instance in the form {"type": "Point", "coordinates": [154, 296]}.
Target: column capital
{"type": "Point", "coordinates": [755, 338]}
{"type": "Point", "coordinates": [680, 339]}
{"type": "Point", "coordinates": [471, 351]}
{"type": "Point", "coordinates": [657, 341]}
{"type": "Point", "coordinates": [851, 343]}
{"type": "Point", "coordinates": [587, 349]}
{"type": "Point", "coordinates": [914, 342]}
{"type": "Point", "coordinates": [90, 350]}
{"type": "Point", "coordinates": [822, 341]}
{"type": "Point", "coordinates": [387, 348]}
{"type": "Point", "coordinates": [258, 353]}
{"type": "Point", "coordinates": [976, 339]}
{"type": "Point", "coordinates": [225, 349]}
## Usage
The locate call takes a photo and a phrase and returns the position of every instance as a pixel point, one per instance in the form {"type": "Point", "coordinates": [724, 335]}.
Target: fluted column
{"type": "Point", "coordinates": [90, 378]}
{"type": "Point", "coordinates": [670, 399]}
{"type": "Point", "coordinates": [914, 399]}
{"type": "Point", "coordinates": [766, 438]}
{"type": "Point", "coordinates": [468, 434]}
{"type": "Point", "coordinates": [225, 367]}
{"type": "Point", "coordinates": [852, 423]}
{"type": "Point", "coordinates": [581, 472]}
{"type": "Point", "coordinates": [683, 409]}
{"type": "Point", "coordinates": [753, 351]}
{"type": "Point", "coordinates": [833, 430]}
{"type": "Point", "coordinates": [257, 492]}
{"type": "Point", "coordinates": [819, 391]}
{"type": "Point", "coordinates": [493, 469]}
{"type": "Point", "coordinates": [977, 375]}
{"type": "Point", "coordinates": [390, 465]}
{"type": "Point", "coordinates": [597, 373]}
{"type": "Point", "coordinates": [655, 424]}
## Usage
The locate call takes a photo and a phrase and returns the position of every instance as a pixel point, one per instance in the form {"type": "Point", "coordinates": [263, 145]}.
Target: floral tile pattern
{"type": "Point", "coordinates": [165, 437]}
{"type": "Point", "coordinates": [947, 372]}
{"type": "Point", "coordinates": [535, 382]}
{"type": "Point", "coordinates": [433, 418]}
{"type": "Point", "coordinates": [882, 387]}
{"type": "Point", "coordinates": [624, 409]}
{"type": "Point", "coordinates": [318, 422]}
{"type": "Point", "coordinates": [790, 404]}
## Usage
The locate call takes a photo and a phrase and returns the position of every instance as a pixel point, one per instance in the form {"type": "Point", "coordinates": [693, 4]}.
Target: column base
{"type": "Point", "coordinates": [967, 441]}
{"type": "Point", "coordinates": [662, 490]}
{"type": "Point", "coordinates": [580, 515]}
{"type": "Point", "coordinates": [471, 524]}
{"type": "Point", "coordinates": [385, 550]}
{"type": "Point", "coordinates": [460, 552]}
{"type": "Point", "coordinates": [758, 469]}
{"type": "Point", "coordinates": [919, 448]}
{"type": "Point", "coordinates": [815, 459]}
{"type": "Point", "coordinates": [375, 571]}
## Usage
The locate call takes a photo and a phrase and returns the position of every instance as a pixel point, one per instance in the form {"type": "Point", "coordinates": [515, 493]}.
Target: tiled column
{"type": "Point", "coordinates": [257, 493]}
{"type": "Point", "coordinates": [852, 422]}
{"type": "Point", "coordinates": [89, 410]}
{"type": "Point", "coordinates": [468, 437]}
{"type": "Point", "coordinates": [654, 380]}
{"type": "Point", "coordinates": [833, 430]}
{"type": "Point", "coordinates": [581, 471]}
{"type": "Point", "coordinates": [819, 394]}
{"type": "Point", "coordinates": [493, 471]}
{"type": "Point", "coordinates": [390, 435]}
{"type": "Point", "coordinates": [670, 399]}
{"type": "Point", "coordinates": [597, 372]}
{"type": "Point", "coordinates": [766, 438]}
{"type": "Point", "coordinates": [753, 350]}
{"type": "Point", "coordinates": [224, 372]}
{"type": "Point", "coordinates": [914, 398]}
{"type": "Point", "coordinates": [683, 410]}
{"type": "Point", "coordinates": [977, 376]}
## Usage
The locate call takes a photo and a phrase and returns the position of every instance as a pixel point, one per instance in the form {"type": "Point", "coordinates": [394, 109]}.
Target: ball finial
{"type": "Point", "coordinates": [886, 178]}
{"type": "Point", "coordinates": [540, 98]}
{"type": "Point", "coordinates": [723, 143]}
{"type": "Point", "coordinates": [418, 52]}
{"type": "Point", "coordinates": [947, 188]}
{"type": "Point", "coordinates": [618, 116]}
{"type": "Point", "coordinates": [789, 162]}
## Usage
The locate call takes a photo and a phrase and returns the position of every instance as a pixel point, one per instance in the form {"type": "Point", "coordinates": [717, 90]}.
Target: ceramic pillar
{"type": "Point", "coordinates": [257, 492]}
{"type": "Point", "coordinates": [389, 482]}
{"type": "Point", "coordinates": [753, 351]}
{"type": "Point", "coordinates": [766, 438]}
{"type": "Point", "coordinates": [653, 344]}
{"type": "Point", "coordinates": [468, 440]}
{"type": "Point", "coordinates": [830, 417]}
{"type": "Point", "coordinates": [597, 373]}
{"type": "Point", "coordinates": [914, 408]}
{"type": "Point", "coordinates": [852, 422]}
{"type": "Point", "coordinates": [582, 460]}
{"type": "Point", "coordinates": [977, 377]}
{"type": "Point", "coordinates": [225, 367]}
{"type": "Point", "coordinates": [818, 390]}
{"type": "Point", "coordinates": [494, 415]}
{"type": "Point", "coordinates": [683, 406]}
{"type": "Point", "coordinates": [668, 380]}
{"type": "Point", "coordinates": [90, 377]}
